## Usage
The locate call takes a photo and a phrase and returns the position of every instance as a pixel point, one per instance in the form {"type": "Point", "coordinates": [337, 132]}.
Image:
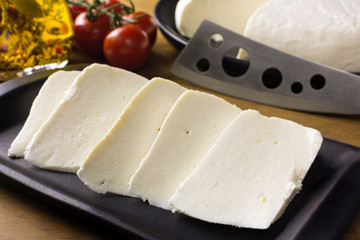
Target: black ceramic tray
{"type": "Point", "coordinates": [323, 209]}
{"type": "Point", "coordinates": [164, 16]}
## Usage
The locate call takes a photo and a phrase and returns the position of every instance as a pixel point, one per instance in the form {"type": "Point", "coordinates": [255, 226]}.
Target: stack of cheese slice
{"type": "Point", "coordinates": [323, 31]}
{"type": "Point", "coordinates": [50, 95]}
{"type": "Point", "coordinates": [117, 156]}
{"type": "Point", "coordinates": [89, 108]}
{"type": "Point", "coordinates": [251, 172]}
{"type": "Point", "coordinates": [191, 128]}
{"type": "Point", "coordinates": [179, 149]}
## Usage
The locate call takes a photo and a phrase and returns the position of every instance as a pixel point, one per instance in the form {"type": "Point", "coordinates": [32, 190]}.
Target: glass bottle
{"type": "Point", "coordinates": [34, 35]}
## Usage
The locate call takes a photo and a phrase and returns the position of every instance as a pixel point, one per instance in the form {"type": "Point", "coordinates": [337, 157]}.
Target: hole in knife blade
{"type": "Point", "coordinates": [203, 65]}
{"type": "Point", "coordinates": [296, 87]}
{"type": "Point", "coordinates": [272, 78]}
{"type": "Point", "coordinates": [317, 82]}
{"type": "Point", "coordinates": [216, 40]}
{"type": "Point", "coordinates": [232, 65]}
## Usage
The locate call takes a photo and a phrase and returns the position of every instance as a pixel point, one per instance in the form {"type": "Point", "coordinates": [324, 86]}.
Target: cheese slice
{"type": "Point", "coordinates": [323, 31]}
{"type": "Point", "coordinates": [91, 106]}
{"type": "Point", "coordinates": [251, 173]}
{"type": "Point", "coordinates": [232, 14]}
{"type": "Point", "coordinates": [115, 159]}
{"type": "Point", "coordinates": [48, 98]}
{"type": "Point", "coordinates": [190, 129]}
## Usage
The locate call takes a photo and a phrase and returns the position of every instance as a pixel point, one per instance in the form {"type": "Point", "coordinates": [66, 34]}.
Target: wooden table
{"type": "Point", "coordinates": [25, 217]}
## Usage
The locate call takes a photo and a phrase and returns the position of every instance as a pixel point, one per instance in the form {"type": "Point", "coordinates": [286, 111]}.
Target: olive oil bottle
{"type": "Point", "coordinates": [34, 35]}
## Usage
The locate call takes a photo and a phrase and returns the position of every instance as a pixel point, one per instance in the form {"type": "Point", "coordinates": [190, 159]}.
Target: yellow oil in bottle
{"type": "Point", "coordinates": [34, 33]}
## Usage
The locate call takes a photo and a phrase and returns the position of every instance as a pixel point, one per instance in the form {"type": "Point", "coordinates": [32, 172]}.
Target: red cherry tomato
{"type": "Point", "coordinates": [127, 47]}
{"type": "Point", "coordinates": [89, 35]}
{"type": "Point", "coordinates": [146, 23]}
{"type": "Point", "coordinates": [108, 3]}
{"type": "Point", "coordinates": [75, 10]}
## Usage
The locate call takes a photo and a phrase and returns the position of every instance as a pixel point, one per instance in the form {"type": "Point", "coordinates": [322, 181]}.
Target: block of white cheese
{"type": "Point", "coordinates": [323, 31]}
{"type": "Point", "coordinates": [232, 14]}
{"type": "Point", "coordinates": [115, 159]}
{"type": "Point", "coordinates": [190, 129]}
{"type": "Point", "coordinates": [251, 173]}
{"type": "Point", "coordinates": [90, 108]}
{"type": "Point", "coordinates": [48, 98]}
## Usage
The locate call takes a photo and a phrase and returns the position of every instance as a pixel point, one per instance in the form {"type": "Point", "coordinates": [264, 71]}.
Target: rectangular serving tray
{"type": "Point", "coordinates": [326, 205]}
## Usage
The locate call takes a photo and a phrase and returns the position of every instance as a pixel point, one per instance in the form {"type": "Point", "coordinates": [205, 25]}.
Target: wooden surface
{"type": "Point", "coordinates": [24, 217]}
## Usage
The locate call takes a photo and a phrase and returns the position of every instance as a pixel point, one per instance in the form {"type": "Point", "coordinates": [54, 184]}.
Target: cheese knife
{"type": "Point", "coordinates": [270, 76]}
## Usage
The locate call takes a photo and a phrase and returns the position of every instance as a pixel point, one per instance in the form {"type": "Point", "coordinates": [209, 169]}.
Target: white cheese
{"type": "Point", "coordinates": [190, 129]}
{"type": "Point", "coordinates": [115, 159]}
{"type": "Point", "coordinates": [91, 106]}
{"type": "Point", "coordinates": [48, 98]}
{"type": "Point", "coordinates": [251, 173]}
{"type": "Point", "coordinates": [324, 31]}
{"type": "Point", "coordinates": [232, 14]}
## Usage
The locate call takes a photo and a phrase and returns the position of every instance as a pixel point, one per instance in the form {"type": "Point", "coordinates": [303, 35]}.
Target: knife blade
{"type": "Point", "coordinates": [271, 76]}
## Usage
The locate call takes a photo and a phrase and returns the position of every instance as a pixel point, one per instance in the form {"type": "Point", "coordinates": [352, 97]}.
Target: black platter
{"type": "Point", "coordinates": [323, 209]}
{"type": "Point", "coordinates": [164, 16]}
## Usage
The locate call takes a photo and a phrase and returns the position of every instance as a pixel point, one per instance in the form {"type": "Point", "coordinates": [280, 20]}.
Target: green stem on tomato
{"type": "Point", "coordinates": [81, 4]}
{"type": "Point", "coordinates": [116, 19]}
{"type": "Point", "coordinates": [126, 8]}
{"type": "Point", "coordinates": [138, 17]}
{"type": "Point", "coordinates": [132, 8]}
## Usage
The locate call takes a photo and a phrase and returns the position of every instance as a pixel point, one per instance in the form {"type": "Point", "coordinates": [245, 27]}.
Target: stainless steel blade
{"type": "Point", "coordinates": [271, 77]}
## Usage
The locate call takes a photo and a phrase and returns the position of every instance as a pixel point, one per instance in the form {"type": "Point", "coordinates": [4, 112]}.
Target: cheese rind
{"type": "Point", "coordinates": [232, 14]}
{"type": "Point", "coordinates": [115, 159]}
{"type": "Point", "coordinates": [90, 108]}
{"type": "Point", "coordinates": [323, 31]}
{"type": "Point", "coordinates": [251, 173]}
{"type": "Point", "coordinates": [190, 129]}
{"type": "Point", "coordinates": [48, 98]}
